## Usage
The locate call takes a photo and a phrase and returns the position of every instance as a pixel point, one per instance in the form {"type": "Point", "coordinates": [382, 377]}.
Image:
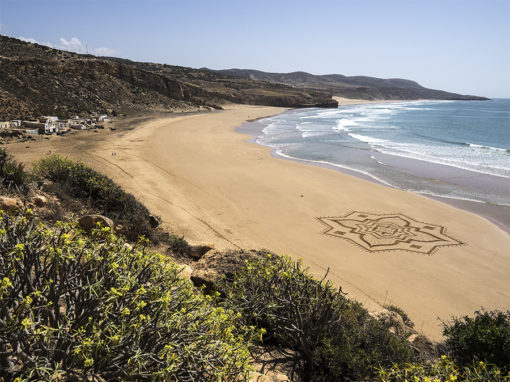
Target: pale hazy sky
{"type": "Point", "coordinates": [456, 45]}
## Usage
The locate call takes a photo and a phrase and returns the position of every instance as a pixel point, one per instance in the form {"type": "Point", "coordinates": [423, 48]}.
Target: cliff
{"type": "Point", "coordinates": [36, 80]}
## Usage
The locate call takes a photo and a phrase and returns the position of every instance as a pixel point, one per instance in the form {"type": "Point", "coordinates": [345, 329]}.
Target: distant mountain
{"type": "Point", "coordinates": [351, 87]}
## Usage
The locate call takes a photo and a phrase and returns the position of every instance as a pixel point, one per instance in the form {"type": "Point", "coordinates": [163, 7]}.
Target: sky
{"type": "Point", "coordinates": [461, 46]}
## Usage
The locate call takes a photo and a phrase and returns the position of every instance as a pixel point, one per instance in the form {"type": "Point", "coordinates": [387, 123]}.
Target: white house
{"type": "Point", "coordinates": [79, 127]}
{"type": "Point", "coordinates": [46, 127]}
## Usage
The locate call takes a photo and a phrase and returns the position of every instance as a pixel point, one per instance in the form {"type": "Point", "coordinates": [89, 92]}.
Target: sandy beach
{"type": "Point", "coordinates": [210, 184]}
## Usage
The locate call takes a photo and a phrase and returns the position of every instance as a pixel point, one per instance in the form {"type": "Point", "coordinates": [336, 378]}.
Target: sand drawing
{"type": "Point", "coordinates": [388, 232]}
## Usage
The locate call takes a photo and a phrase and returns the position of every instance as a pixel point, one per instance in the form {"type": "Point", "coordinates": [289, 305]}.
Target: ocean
{"type": "Point", "coordinates": [450, 149]}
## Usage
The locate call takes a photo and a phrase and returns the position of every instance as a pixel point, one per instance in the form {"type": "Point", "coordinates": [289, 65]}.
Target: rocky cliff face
{"type": "Point", "coordinates": [38, 80]}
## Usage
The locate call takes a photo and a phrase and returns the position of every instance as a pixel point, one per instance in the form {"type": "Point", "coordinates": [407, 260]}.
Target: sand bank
{"type": "Point", "coordinates": [209, 184]}
{"type": "Point", "coordinates": [358, 101]}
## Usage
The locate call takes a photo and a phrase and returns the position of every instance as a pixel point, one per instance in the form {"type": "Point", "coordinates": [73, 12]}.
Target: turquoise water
{"type": "Point", "coordinates": [453, 149]}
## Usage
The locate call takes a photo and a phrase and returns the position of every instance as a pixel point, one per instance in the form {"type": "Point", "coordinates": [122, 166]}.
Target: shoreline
{"type": "Point", "coordinates": [499, 215]}
{"type": "Point", "coordinates": [210, 185]}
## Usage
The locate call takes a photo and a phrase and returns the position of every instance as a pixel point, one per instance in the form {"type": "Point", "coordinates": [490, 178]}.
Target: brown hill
{"type": "Point", "coordinates": [352, 87]}
{"type": "Point", "coordinates": [35, 79]}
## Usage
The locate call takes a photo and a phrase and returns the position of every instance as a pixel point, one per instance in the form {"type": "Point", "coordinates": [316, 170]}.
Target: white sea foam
{"type": "Point", "coordinates": [487, 147]}
{"type": "Point", "coordinates": [343, 124]}
{"type": "Point", "coordinates": [444, 155]}
{"type": "Point", "coordinates": [428, 193]}
{"type": "Point", "coordinates": [308, 129]}
{"type": "Point", "coordinates": [282, 154]}
{"type": "Point", "coordinates": [369, 140]}
{"type": "Point", "coordinates": [420, 153]}
{"type": "Point", "coordinates": [456, 197]}
{"type": "Point", "coordinates": [270, 127]}
{"type": "Point", "coordinates": [378, 161]}
{"type": "Point", "coordinates": [308, 134]}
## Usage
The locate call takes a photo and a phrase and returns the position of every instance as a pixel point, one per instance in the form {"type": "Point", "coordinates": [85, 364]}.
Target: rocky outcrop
{"type": "Point", "coordinates": [197, 250]}
{"type": "Point", "coordinates": [275, 364]}
{"type": "Point", "coordinates": [39, 200]}
{"type": "Point", "coordinates": [88, 222]}
{"type": "Point", "coordinates": [186, 272]}
{"type": "Point", "coordinates": [214, 266]}
{"type": "Point", "coordinates": [10, 205]}
{"type": "Point", "coordinates": [392, 320]}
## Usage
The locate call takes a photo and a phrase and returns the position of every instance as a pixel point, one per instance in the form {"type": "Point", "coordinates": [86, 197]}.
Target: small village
{"type": "Point", "coordinates": [49, 125]}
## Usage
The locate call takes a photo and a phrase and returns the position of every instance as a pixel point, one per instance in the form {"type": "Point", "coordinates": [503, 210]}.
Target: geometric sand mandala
{"type": "Point", "coordinates": [388, 232]}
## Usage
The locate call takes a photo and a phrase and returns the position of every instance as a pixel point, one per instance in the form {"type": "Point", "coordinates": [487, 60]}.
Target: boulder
{"type": "Point", "coordinates": [39, 200]}
{"type": "Point", "coordinates": [392, 320]}
{"type": "Point", "coordinates": [269, 377]}
{"type": "Point", "coordinates": [186, 271]}
{"type": "Point", "coordinates": [88, 222]}
{"type": "Point", "coordinates": [212, 267]}
{"type": "Point", "coordinates": [197, 250]}
{"type": "Point", "coordinates": [425, 348]}
{"type": "Point", "coordinates": [274, 364]}
{"type": "Point", "coordinates": [9, 204]}
{"type": "Point", "coordinates": [154, 221]}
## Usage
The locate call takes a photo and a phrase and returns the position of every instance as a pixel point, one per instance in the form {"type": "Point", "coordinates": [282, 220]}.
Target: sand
{"type": "Point", "coordinates": [209, 184]}
{"type": "Point", "coordinates": [358, 101]}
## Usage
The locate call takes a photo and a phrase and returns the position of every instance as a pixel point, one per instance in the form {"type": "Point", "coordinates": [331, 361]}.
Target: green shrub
{"type": "Point", "coordinates": [12, 173]}
{"type": "Point", "coordinates": [78, 180]}
{"type": "Point", "coordinates": [74, 306]}
{"type": "Point", "coordinates": [336, 337]}
{"type": "Point", "coordinates": [484, 337]}
{"type": "Point", "coordinates": [443, 370]}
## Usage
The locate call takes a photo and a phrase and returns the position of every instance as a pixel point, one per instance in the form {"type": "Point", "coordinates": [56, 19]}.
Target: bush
{"type": "Point", "coordinates": [74, 306]}
{"type": "Point", "coordinates": [484, 337]}
{"type": "Point", "coordinates": [12, 173]}
{"type": "Point", "coordinates": [336, 337]}
{"type": "Point", "coordinates": [443, 370]}
{"type": "Point", "coordinates": [78, 180]}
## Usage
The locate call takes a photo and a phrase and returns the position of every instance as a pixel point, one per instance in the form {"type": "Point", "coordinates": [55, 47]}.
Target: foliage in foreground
{"type": "Point", "coordinates": [443, 370]}
{"type": "Point", "coordinates": [336, 337]}
{"type": "Point", "coordinates": [73, 306]}
{"type": "Point", "coordinates": [78, 180]}
{"type": "Point", "coordinates": [12, 173]}
{"type": "Point", "coordinates": [484, 337]}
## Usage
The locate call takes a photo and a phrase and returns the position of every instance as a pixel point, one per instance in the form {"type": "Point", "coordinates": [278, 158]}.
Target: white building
{"type": "Point", "coordinates": [79, 127]}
